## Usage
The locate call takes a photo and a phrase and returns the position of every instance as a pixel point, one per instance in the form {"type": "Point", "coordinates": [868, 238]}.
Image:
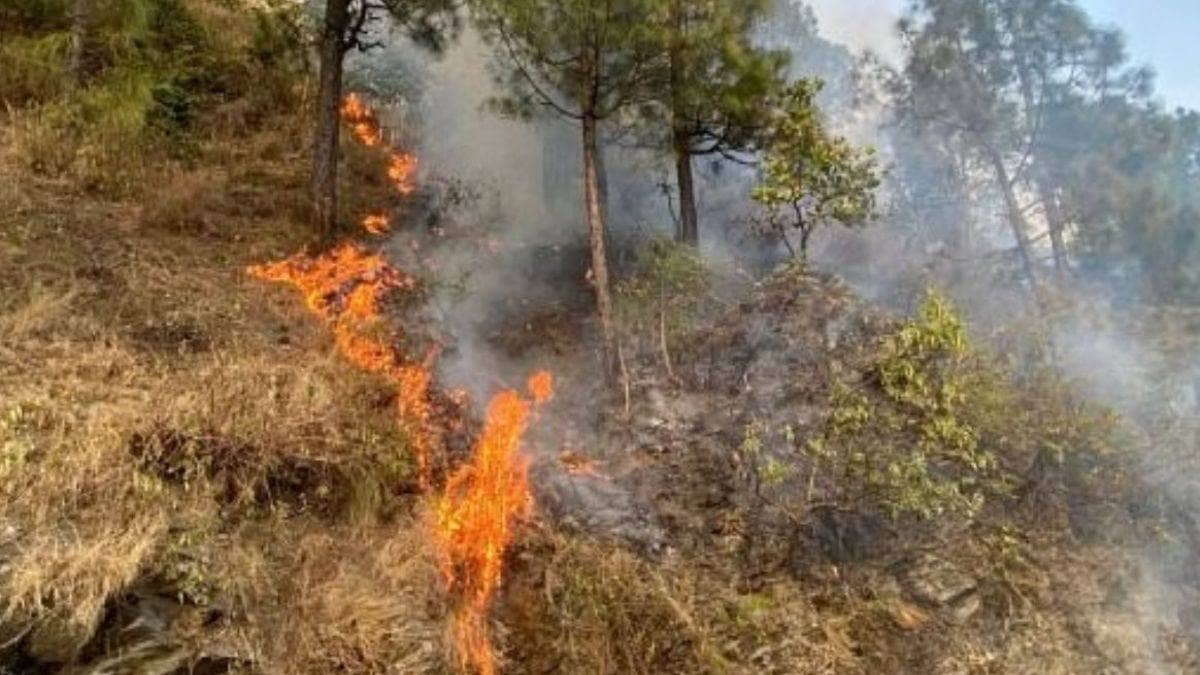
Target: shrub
{"type": "Point", "coordinates": [908, 449]}
{"type": "Point", "coordinates": [32, 69]}
{"type": "Point", "coordinates": [660, 304]}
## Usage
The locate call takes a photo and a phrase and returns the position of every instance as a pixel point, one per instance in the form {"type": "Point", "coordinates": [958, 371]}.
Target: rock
{"type": "Point", "coordinates": [934, 581]}
{"type": "Point", "coordinates": [965, 607]}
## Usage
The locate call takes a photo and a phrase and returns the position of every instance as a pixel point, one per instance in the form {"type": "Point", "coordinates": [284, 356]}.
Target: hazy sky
{"type": "Point", "coordinates": [1162, 33]}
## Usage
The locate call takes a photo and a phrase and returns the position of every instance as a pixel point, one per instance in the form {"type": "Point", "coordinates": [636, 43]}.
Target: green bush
{"type": "Point", "coordinates": [32, 69]}
{"type": "Point", "coordinates": [907, 447]}
{"type": "Point", "coordinates": [660, 304]}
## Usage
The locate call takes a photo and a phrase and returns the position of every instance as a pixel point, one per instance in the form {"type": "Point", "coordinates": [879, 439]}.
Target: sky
{"type": "Point", "coordinates": [1162, 33]}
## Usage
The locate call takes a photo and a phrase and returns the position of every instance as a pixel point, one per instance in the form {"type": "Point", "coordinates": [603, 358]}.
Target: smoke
{"type": "Point", "coordinates": [861, 25]}
{"type": "Point", "coordinates": [499, 233]}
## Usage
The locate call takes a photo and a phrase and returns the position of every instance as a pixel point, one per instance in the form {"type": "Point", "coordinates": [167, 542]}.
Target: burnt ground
{"type": "Point", "coordinates": [663, 473]}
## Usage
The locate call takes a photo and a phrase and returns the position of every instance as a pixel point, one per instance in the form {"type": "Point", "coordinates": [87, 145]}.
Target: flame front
{"type": "Point", "coordinates": [476, 516]}
{"type": "Point", "coordinates": [345, 287]}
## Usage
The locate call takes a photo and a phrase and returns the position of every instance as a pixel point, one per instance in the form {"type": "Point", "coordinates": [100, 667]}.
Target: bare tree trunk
{"type": "Point", "coordinates": [689, 222]}
{"type": "Point", "coordinates": [83, 56]}
{"type": "Point", "coordinates": [1056, 226]}
{"type": "Point", "coordinates": [328, 126]}
{"type": "Point", "coordinates": [805, 235]}
{"type": "Point", "coordinates": [596, 234]}
{"type": "Point", "coordinates": [688, 231]}
{"type": "Point", "coordinates": [1016, 218]}
{"type": "Point", "coordinates": [602, 181]}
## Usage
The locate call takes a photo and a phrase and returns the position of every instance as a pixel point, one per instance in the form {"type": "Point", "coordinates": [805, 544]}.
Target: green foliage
{"type": "Point", "coordinates": [913, 451]}
{"type": "Point", "coordinates": [33, 68]}
{"type": "Point", "coordinates": [163, 65]}
{"type": "Point", "coordinates": [665, 297]}
{"type": "Point", "coordinates": [576, 57]}
{"type": "Point", "coordinates": [810, 177]}
{"type": "Point", "coordinates": [720, 83]}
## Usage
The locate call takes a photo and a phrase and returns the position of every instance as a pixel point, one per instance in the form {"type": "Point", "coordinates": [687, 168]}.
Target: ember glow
{"type": "Point", "coordinates": [377, 223]}
{"type": "Point", "coordinates": [476, 515]}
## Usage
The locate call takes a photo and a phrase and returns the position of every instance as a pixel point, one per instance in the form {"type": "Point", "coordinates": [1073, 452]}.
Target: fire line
{"type": "Point", "coordinates": [475, 516]}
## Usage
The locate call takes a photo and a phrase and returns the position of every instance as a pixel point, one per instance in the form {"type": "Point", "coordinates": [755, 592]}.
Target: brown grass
{"type": "Point", "coordinates": [159, 408]}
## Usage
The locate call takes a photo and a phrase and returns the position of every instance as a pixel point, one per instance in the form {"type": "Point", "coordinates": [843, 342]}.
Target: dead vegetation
{"type": "Point", "coordinates": [180, 447]}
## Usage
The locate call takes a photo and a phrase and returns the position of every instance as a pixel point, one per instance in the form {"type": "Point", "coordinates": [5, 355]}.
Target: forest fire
{"type": "Point", "coordinates": [345, 287]}
{"type": "Point", "coordinates": [402, 166]}
{"type": "Point", "coordinates": [362, 121]}
{"type": "Point", "coordinates": [476, 515]}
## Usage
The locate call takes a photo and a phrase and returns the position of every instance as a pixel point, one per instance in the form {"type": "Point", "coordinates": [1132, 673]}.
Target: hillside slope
{"type": "Point", "coordinates": [781, 479]}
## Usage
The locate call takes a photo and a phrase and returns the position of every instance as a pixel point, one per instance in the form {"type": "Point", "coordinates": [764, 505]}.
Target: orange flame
{"type": "Point", "coordinates": [345, 287]}
{"type": "Point", "coordinates": [362, 121]}
{"type": "Point", "coordinates": [482, 501]}
{"type": "Point", "coordinates": [476, 515]}
{"type": "Point", "coordinates": [402, 166]}
{"type": "Point", "coordinates": [377, 223]}
{"type": "Point", "coordinates": [402, 169]}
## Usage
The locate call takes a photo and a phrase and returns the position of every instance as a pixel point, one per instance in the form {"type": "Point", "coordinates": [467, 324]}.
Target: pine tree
{"type": "Point", "coordinates": [718, 91]}
{"type": "Point", "coordinates": [345, 25]}
{"type": "Point", "coordinates": [587, 61]}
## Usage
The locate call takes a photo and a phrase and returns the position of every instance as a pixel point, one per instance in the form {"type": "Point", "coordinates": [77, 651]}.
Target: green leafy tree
{"type": "Point", "coordinates": [983, 74]}
{"type": "Point", "coordinates": [719, 89]}
{"type": "Point", "coordinates": [587, 61]}
{"type": "Point", "coordinates": [810, 177]}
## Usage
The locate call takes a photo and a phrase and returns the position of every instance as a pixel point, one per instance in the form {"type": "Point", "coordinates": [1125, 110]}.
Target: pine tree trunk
{"type": "Point", "coordinates": [1056, 226]}
{"type": "Point", "coordinates": [1016, 218]}
{"type": "Point", "coordinates": [83, 56]}
{"type": "Point", "coordinates": [328, 125]}
{"type": "Point", "coordinates": [688, 231]}
{"type": "Point", "coordinates": [596, 234]}
{"type": "Point", "coordinates": [689, 225]}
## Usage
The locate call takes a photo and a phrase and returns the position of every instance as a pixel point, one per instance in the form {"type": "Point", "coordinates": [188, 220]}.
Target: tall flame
{"type": "Point", "coordinates": [476, 515]}
{"type": "Point", "coordinates": [483, 499]}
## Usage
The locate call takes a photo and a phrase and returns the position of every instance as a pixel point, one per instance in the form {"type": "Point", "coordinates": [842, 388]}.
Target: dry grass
{"type": "Point", "coordinates": [166, 420]}
{"type": "Point", "coordinates": [574, 605]}
{"type": "Point", "coordinates": [343, 600]}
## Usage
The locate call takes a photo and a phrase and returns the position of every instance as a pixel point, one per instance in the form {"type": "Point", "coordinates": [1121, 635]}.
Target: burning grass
{"type": "Point", "coordinates": [475, 517]}
{"type": "Point", "coordinates": [120, 440]}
